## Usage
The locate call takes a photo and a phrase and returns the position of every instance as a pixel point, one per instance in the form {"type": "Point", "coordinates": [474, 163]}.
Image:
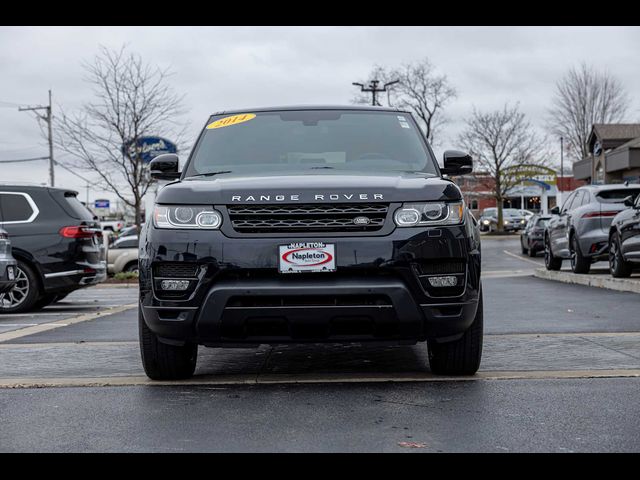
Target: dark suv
{"type": "Point", "coordinates": [56, 242]}
{"type": "Point", "coordinates": [323, 224]}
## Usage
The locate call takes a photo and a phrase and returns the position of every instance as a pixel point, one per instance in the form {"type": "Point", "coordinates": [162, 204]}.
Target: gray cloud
{"type": "Point", "coordinates": [237, 67]}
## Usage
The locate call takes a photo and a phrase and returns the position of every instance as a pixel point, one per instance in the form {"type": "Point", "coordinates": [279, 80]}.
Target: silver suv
{"type": "Point", "coordinates": [579, 230]}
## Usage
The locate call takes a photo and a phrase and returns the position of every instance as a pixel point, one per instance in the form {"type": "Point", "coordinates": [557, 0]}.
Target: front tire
{"type": "Point", "coordinates": [162, 361]}
{"type": "Point", "coordinates": [460, 357]}
{"type": "Point", "coordinates": [579, 263]}
{"type": "Point", "coordinates": [550, 262]}
{"type": "Point", "coordinates": [132, 268]}
{"type": "Point", "coordinates": [618, 266]}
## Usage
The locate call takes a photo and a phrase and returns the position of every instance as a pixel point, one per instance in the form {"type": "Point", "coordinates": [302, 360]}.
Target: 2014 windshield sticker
{"type": "Point", "coordinates": [232, 120]}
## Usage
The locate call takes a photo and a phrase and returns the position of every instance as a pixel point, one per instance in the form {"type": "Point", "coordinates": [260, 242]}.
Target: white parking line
{"type": "Point", "coordinates": [43, 327]}
{"type": "Point", "coordinates": [507, 273]}
{"type": "Point", "coordinates": [538, 264]}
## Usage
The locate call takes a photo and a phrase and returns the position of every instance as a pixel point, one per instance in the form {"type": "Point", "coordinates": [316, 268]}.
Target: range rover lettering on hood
{"type": "Point", "coordinates": [300, 198]}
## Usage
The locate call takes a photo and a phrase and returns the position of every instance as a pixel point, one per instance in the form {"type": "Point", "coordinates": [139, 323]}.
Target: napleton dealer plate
{"type": "Point", "coordinates": [307, 257]}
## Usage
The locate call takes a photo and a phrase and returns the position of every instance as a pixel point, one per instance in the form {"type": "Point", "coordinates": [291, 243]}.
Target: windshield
{"type": "Point", "coordinates": [616, 196]}
{"type": "Point", "coordinates": [295, 141]}
{"type": "Point", "coordinates": [511, 212]}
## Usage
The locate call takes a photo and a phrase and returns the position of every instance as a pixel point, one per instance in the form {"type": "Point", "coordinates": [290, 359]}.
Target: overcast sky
{"type": "Point", "coordinates": [237, 67]}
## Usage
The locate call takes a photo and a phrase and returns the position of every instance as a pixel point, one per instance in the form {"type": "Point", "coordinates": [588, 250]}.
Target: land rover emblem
{"type": "Point", "coordinates": [362, 221]}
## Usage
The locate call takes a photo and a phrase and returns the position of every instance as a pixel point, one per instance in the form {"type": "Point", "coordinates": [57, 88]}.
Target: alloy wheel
{"type": "Point", "coordinates": [613, 256]}
{"type": "Point", "coordinates": [18, 293]}
{"type": "Point", "coordinates": [547, 253]}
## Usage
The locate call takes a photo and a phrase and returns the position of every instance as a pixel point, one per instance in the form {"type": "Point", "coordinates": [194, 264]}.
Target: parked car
{"type": "Point", "coordinates": [56, 242]}
{"type": "Point", "coordinates": [579, 230]}
{"type": "Point", "coordinates": [7, 265]}
{"type": "Point", "coordinates": [122, 256]}
{"type": "Point", "coordinates": [512, 220]}
{"type": "Point", "coordinates": [532, 237]}
{"type": "Point", "coordinates": [112, 225]}
{"type": "Point", "coordinates": [624, 239]}
{"type": "Point", "coordinates": [527, 214]}
{"type": "Point", "coordinates": [129, 231]}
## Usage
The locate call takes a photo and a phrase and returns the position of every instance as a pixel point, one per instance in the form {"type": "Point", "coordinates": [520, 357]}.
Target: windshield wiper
{"type": "Point", "coordinates": [321, 168]}
{"type": "Point", "coordinates": [210, 174]}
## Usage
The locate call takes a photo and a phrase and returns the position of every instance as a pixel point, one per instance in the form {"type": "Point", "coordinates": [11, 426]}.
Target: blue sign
{"type": "Point", "coordinates": [150, 147]}
{"type": "Point", "coordinates": [101, 204]}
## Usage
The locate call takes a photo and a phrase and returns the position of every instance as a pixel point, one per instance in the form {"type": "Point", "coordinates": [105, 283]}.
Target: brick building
{"type": "Point", "coordinates": [537, 195]}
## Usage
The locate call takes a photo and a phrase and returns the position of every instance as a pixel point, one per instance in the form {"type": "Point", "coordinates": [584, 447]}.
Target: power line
{"type": "Point", "coordinates": [21, 160]}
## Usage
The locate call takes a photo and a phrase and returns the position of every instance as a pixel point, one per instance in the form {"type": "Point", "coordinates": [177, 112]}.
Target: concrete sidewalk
{"type": "Point", "coordinates": [598, 278]}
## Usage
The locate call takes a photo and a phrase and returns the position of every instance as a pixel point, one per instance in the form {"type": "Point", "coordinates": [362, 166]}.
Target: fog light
{"type": "Point", "coordinates": [174, 284]}
{"type": "Point", "coordinates": [448, 281]}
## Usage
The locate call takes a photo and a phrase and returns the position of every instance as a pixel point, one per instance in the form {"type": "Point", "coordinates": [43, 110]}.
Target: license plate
{"type": "Point", "coordinates": [10, 273]}
{"type": "Point", "coordinates": [307, 257]}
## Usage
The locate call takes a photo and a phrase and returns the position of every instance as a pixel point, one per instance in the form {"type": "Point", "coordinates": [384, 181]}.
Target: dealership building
{"type": "Point", "coordinates": [614, 155]}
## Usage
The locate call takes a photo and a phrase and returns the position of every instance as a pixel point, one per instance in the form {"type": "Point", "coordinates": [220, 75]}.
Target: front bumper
{"type": "Point", "coordinates": [376, 294]}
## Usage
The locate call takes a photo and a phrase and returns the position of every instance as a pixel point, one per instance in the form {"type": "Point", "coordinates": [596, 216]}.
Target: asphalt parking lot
{"type": "Point", "coordinates": [559, 373]}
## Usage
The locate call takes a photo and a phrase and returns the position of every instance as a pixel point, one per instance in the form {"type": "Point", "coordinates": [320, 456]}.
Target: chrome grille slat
{"type": "Point", "coordinates": [312, 217]}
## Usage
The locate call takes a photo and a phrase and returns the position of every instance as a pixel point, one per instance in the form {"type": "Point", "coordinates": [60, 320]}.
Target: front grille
{"type": "Point", "coordinates": [440, 268]}
{"type": "Point", "coordinates": [308, 301]}
{"type": "Point", "coordinates": [176, 270]}
{"type": "Point", "coordinates": [308, 218]}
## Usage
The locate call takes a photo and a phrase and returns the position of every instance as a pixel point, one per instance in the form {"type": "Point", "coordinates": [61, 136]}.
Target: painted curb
{"type": "Point", "coordinates": [600, 281]}
{"type": "Point", "coordinates": [287, 379]}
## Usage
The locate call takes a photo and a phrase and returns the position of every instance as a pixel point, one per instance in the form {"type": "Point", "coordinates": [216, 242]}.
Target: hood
{"type": "Point", "coordinates": [227, 189]}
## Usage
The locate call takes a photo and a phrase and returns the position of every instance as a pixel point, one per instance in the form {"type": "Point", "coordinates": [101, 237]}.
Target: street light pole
{"type": "Point", "coordinates": [373, 88]}
{"type": "Point", "coordinates": [49, 119]}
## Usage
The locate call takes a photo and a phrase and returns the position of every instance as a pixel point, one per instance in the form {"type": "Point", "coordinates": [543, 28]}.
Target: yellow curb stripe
{"type": "Point", "coordinates": [250, 379]}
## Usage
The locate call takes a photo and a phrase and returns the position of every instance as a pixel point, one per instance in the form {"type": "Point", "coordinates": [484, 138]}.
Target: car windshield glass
{"type": "Point", "coordinates": [542, 222]}
{"type": "Point", "coordinates": [310, 140]}
{"type": "Point", "coordinates": [490, 212]}
{"type": "Point", "coordinates": [616, 196]}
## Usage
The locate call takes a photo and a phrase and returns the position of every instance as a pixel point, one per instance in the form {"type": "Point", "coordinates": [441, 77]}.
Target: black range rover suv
{"type": "Point", "coordinates": [310, 224]}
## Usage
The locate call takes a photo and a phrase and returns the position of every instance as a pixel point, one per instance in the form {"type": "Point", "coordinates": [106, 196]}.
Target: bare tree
{"type": "Point", "coordinates": [132, 100]}
{"type": "Point", "coordinates": [583, 97]}
{"type": "Point", "coordinates": [502, 142]}
{"type": "Point", "coordinates": [420, 90]}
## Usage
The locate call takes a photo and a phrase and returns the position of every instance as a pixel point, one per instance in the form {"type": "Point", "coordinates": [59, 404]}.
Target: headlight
{"type": "Point", "coordinates": [432, 213]}
{"type": "Point", "coordinates": [486, 222]}
{"type": "Point", "coordinates": [506, 222]}
{"type": "Point", "coordinates": [186, 216]}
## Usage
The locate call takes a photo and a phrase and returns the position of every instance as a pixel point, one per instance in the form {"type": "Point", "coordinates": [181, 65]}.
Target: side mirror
{"type": "Point", "coordinates": [555, 210]}
{"type": "Point", "coordinates": [164, 167]}
{"type": "Point", "coordinates": [629, 201]}
{"type": "Point", "coordinates": [457, 163]}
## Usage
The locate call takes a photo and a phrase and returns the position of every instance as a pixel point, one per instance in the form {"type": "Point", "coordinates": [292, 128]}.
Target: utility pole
{"type": "Point", "coordinates": [373, 88]}
{"type": "Point", "coordinates": [49, 119]}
